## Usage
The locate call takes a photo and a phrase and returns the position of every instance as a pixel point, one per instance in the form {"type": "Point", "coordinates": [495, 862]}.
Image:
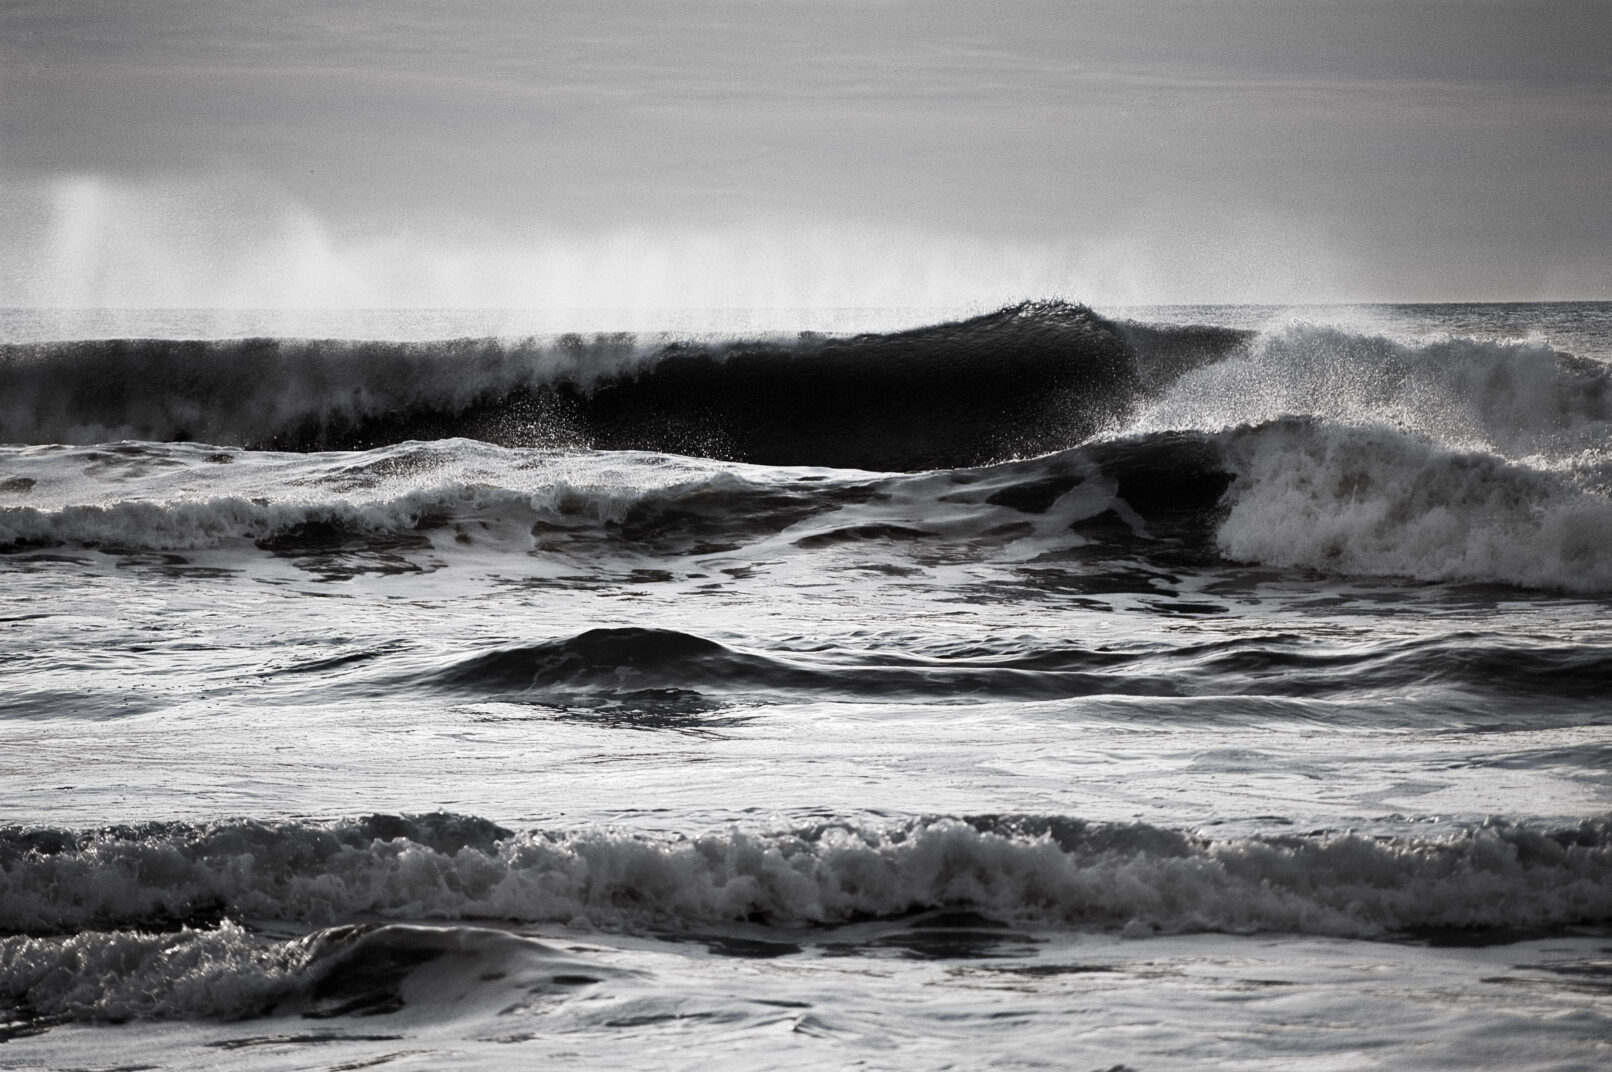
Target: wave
{"type": "Point", "coordinates": [1375, 501]}
{"type": "Point", "coordinates": [1049, 871]}
{"type": "Point", "coordinates": [1519, 399]}
{"type": "Point", "coordinates": [649, 676]}
{"type": "Point", "coordinates": [229, 973]}
{"type": "Point", "coordinates": [1295, 493]}
{"type": "Point", "coordinates": [167, 498]}
{"type": "Point", "coordinates": [655, 678]}
{"type": "Point", "coordinates": [1025, 380]}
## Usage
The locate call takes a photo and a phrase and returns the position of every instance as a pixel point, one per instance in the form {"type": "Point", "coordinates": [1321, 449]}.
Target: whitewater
{"type": "Point", "coordinates": [1170, 688]}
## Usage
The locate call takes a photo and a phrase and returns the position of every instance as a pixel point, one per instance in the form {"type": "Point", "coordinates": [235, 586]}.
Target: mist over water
{"type": "Point", "coordinates": [241, 242]}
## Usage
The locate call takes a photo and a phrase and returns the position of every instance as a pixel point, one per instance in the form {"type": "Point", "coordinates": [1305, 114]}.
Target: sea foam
{"type": "Point", "coordinates": [1054, 872]}
{"type": "Point", "coordinates": [1376, 501]}
{"type": "Point", "coordinates": [1519, 398]}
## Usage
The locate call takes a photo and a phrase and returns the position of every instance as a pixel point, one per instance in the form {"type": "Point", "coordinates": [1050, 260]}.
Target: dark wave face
{"type": "Point", "coordinates": [651, 677]}
{"type": "Point", "coordinates": [1025, 380]}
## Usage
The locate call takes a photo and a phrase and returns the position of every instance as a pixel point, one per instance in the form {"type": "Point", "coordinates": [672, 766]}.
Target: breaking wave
{"type": "Point", "coordinates": [1020, 433]}
{"type": "Point", "coordinates": [1026, 380]}
{"type": "Point", "coordinates": [1375, 501]}
{"type": "Point", "coordinates": [1052, 871]}
{"type": "Point", "coordinates": [1292, 493]}
{"type": "Point", "coordinates": [227, 972]}
{"type": "Point", "coordinates": [1519, 398]}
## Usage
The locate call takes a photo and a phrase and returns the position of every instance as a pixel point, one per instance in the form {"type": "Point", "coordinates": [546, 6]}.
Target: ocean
{"type": "Point", "coordinates": [1119, 689]}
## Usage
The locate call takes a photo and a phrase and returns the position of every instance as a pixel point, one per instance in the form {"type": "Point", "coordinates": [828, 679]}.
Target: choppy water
{"type": "Point", "coordinates": [1176, 688]}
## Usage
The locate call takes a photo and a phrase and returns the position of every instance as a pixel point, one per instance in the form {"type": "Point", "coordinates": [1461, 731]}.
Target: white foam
{"type": "Point", "coordinates": [222, 973]}
{"type": "Point", "coordinates": [173, 497]}
{"type": "Point", "coordinates": [1376, 501]}
{"type": "Point", "coordinates": [1518, 398]}
{"type": "Point", "coordinates": [1141, 878]}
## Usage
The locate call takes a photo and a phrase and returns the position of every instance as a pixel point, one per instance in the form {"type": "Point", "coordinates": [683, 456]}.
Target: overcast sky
{"type": "Point", "coordinates": [782, 153]}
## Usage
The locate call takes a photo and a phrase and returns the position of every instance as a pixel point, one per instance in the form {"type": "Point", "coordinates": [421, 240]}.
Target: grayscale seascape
{"type": "Point", "coordinates": [1267, 724]}
{"type": "Point", "coordinates": [813, 534]}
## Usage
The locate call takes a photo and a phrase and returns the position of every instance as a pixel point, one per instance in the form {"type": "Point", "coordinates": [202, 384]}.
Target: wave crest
{"type": "Point", "coordinates": [1374, 501]}
{"type": "Point", "coordinates": [1519, 399]}
{"type": "Point", "coordinates": [1027, 379]}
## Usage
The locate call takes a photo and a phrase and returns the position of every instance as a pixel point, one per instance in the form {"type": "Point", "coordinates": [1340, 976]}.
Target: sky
{"type": "Point", "coordinates": [790, 154]}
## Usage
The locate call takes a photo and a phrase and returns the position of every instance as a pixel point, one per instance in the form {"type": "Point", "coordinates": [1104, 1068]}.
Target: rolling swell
{"type": "Point", "coordinates": [1372, 500]}
{"type": "Point", "coordinates": [652, 670]}
{"type": "Point", "coordinates": [649, 672]}
{"type": "Point", "coordinates": [1027, 379]}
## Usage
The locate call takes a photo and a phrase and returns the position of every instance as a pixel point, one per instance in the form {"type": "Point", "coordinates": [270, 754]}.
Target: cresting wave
{"type": "Point", "coordinates": [1047, 871]}
{"type": "Point", "coordinates": [1302, 448]}
{"type": "Point", "coordinates": [1518, 399]}
{"type": "Point", "coordinates": [1029, 379]}
{"type": "Point", "coordinates": [174, 921]}
{"type": "Point", "coordinates": [1026, 380]}
{"type": "Point", "coordinates": [1375, 501]}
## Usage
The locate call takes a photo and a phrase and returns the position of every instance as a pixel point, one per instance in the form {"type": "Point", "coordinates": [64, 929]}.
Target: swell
{"type": "Point", "coordinates": [1025, 380]}
{"type": "Point", "coordinates": [648, 678]}
{"type": "Point", "coordinates": [1052, 871]}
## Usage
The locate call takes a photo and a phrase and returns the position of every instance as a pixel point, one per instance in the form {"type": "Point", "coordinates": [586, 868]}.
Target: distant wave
{"type": "Point", "coordinates": [1025, 380]}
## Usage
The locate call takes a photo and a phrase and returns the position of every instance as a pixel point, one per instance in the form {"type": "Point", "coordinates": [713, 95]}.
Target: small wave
{"type": "Point", "coordinates": [229, 973]}
{"type": "Point", "coordinates": [153, 496]}
{"type": "Point", "coordinates": [650, 667]}
{"type": "Point", "coordinates": [1051, 871]}
{"type": "Point", "coordinates": [627, 657]}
